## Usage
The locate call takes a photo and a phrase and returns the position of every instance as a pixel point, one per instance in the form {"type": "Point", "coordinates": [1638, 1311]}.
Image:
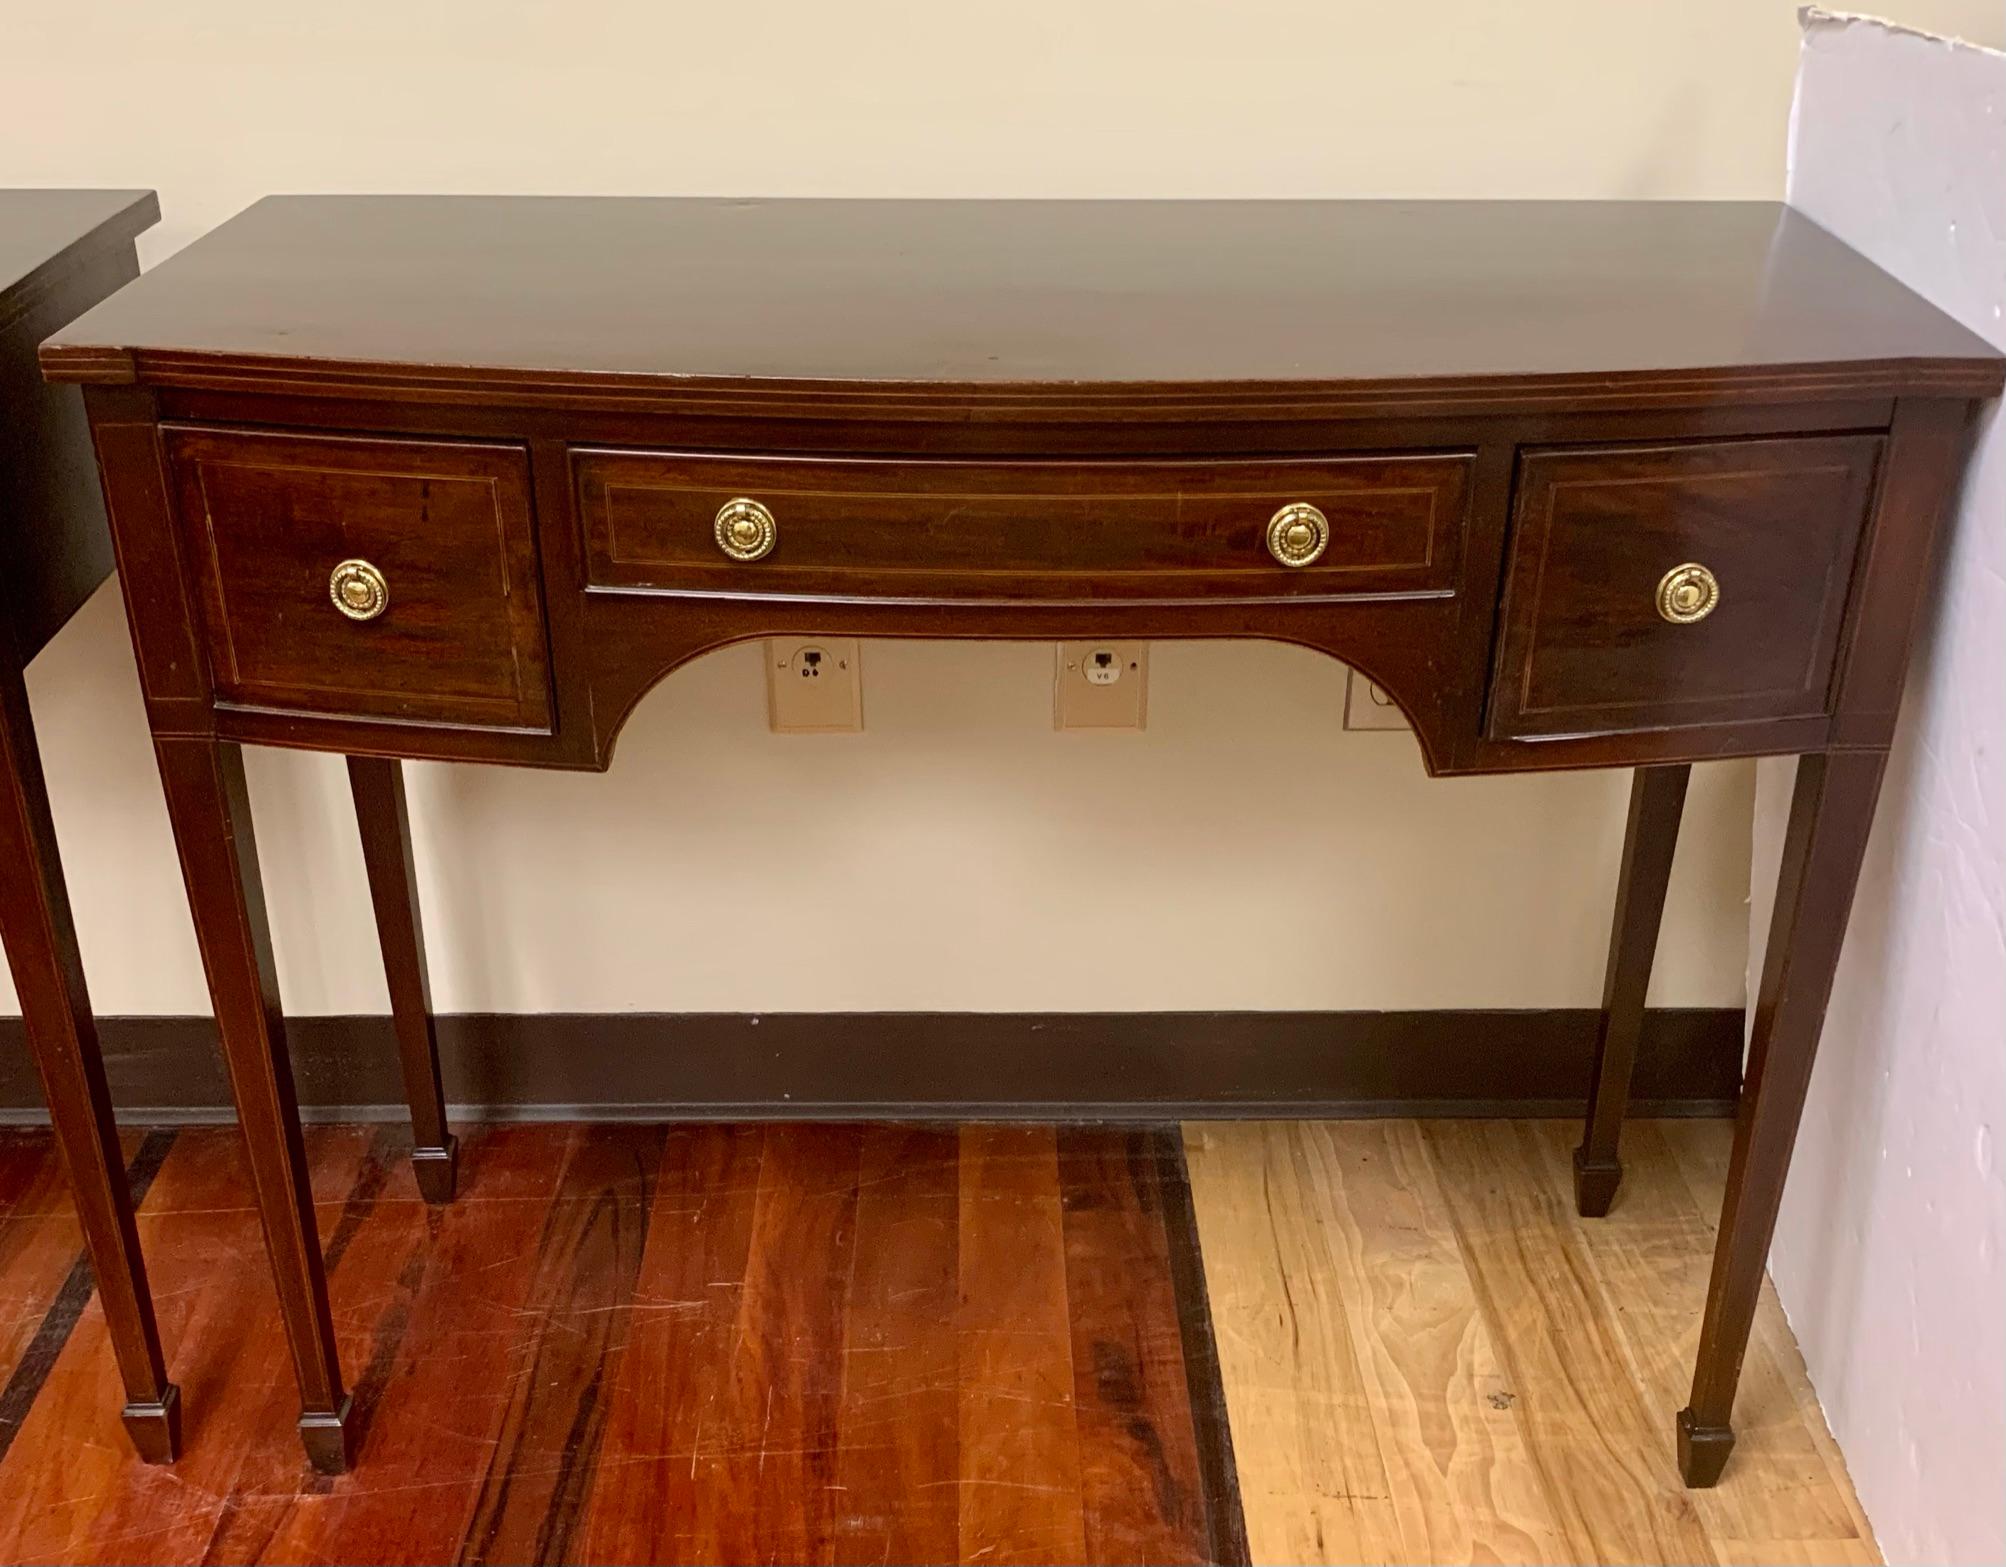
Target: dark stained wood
{"type": "Point", "coordinates": [61, 252]}
{"type": "Point", "coordinates": [1584, 645]}
{"type": "Point", "coordinates": [636, 1344]}
{"type": "Point", "coordinates": [44, 231]}
{"type": "Point", "coordinates": [1024, 530]}
{"type": "Point", "coordinates": [650, 1503]}
{"type": "Point", "coordinates": [928, 307]}
{"type": "Point", "coordinates": [1831, 814]}
{"type": "Point", "coordinates": [209, 810]}
{"type": "Point", "coordinates": [1928, 440]}
{"type": "Point", "coordinates": [40, 1303]}
{"type": "Point", "coordinates": [574, 1330]}
{"type": "Point", "coordinates": [385, 823]}
{"type": "Point", "coordinates": [1017, 1377]}
{"type": "Point", "coordinates": [1143, 1491]}
{"type": "Point", "coordinates": [1046, 1066]}
{"type": "Point", "coordinates": [69, 1489]}
{"type": "Point", "coordinates": [269, 517]}
{"type": "Point", "coordinates": [1651, 836]}
{"type": "Point", "coordinates": [772, 1450]}
{"type": "Point", "coordinates": [900, 1423]}
{"type": "Point", "coordinates": [41, 942]}
{"type": "Point", "coordinates": [1617, 388]}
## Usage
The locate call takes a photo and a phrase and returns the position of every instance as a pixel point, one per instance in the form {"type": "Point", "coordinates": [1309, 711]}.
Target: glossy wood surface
{"type": "Point", "coordinates": [60, 252]}
{"type": "Point", "coordinates": [1650, 841]}
{"type": "Point", "coordinates": [1409, 1320]}
{"type": "Point", "coordinates": [1028, 420]}
{"type": "Point", "coordinates": [384, 821]}
{"type": "Point", "coordinates": [920, 304]}
{"type": "Point", "coordinates": [1585, 644]}
{"type": "Point", "coordinates": [1073, 530]}
{"type": "Point", "coordinates": [706, 1344]}
{"type": "Point", "coordinates": [269, 518]}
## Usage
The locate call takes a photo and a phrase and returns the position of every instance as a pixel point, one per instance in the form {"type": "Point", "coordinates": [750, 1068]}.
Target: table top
{"type": "Point", "coordinates": [38, 228]}
{"type": "Point", "coordinates": [994, 294]}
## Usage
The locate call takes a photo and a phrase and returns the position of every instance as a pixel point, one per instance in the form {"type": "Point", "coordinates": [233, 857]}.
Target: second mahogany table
{"type": "Point", "coordinates": [1579, 484]}
{"type": "Point", "coordinates": [61, 251]}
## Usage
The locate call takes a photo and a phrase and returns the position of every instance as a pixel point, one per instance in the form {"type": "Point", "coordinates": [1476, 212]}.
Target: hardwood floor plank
{"type": "Point", "coordinates": [874, 1344]}
{"type": "Point", "coordinates": [1699, 1152]}
{"type": "Point", "coordinates": [900, 1463]}
{"type": "Point", "coordinates": [1020, 1486]}
{"type": "Point", "coordinates": [1312, 1479]}
{"type": "Point", "coordinates": [769, 1445]}
{"type": "Point", "coordinates": [31, 1258]}
{"type": "Point", "coordinates": [427, 1342]}
{"type": "Point", "coordinates": [570, 1335]}
{"type": "Point", "coordinates": [37, 1255]}
{"type": "Point", "coordinates": [1602, 1447]}
{"type": "Point", "coordinates": [644, 1500]}
{"type": "Point", "coordinates": [41, 1243]}
{"type": "Point", "coordinates": [1142, 1492]}
{"type": "Point", "coordinates": [32, 1184]}
{"type": "Point", "coordinates": [1651, 1257]}
{"type": "Point", "coordinates": [72, 1489]}
{"type": "Point", "coordinates": [1463, 1486]}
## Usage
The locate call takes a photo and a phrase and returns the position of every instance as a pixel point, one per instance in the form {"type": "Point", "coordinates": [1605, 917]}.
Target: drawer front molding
{"type": "Point", "coordinates": [364, 578]}
{"type": "Point", "coordinates": [1671, 586]}
{"type": "Point", "coordinates": [1016, 531]}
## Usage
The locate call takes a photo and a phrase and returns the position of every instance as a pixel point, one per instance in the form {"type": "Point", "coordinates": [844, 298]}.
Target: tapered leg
{"type": "Point", "coordinates": [1830, 815]}
{"type": "Point", "coordinates": [210, 811]}
{"type": "Point", "coordinates": [41, 942]}
{"type": "Point", "coordinates": [1657, 796]}
{"type": "Point", "coordinates": [378, 787]}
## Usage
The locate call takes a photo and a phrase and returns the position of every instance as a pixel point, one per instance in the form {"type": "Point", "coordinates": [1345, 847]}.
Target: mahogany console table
{"type": "Point", "coordinates": [61, 251]}
{"type": "Point", "coordinates": [1580, 485]}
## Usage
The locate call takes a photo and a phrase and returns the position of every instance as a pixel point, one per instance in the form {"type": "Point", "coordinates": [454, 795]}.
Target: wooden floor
{"type": "Point", "coordinates": [890, 1344]}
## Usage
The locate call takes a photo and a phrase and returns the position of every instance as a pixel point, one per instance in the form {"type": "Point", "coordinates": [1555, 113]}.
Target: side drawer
{"type": "Point", "coordinates": [429, 544]}
{"type": "Point", "coordinates": [1039, 531]}
{"type": "Point", "coordinates": [1656, 587]}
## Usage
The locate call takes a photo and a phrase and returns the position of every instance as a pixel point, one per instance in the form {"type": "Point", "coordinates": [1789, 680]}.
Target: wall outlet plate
{"type": "Point", "coordinates": [1366, 706]}
{"type": "Point", "coordinates": [1100, 685]}
{"type": "Point", "coordinates": [814, 685]}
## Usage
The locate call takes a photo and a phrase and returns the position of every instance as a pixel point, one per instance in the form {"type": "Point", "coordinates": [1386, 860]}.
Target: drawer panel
{"type": "Point", "coordinates": [1772, 527]}
{"type": "Point", "coordinates": [459, 636]}
{"type": "Point", "coordinates": [1044, 531]}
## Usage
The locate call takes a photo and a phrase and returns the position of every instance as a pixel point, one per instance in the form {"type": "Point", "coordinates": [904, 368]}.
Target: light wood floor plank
{"type": "Point", "coordinates": [1378, 1288]}
{"type": "Point", "coordinates": [1312, 1481]}
{"type": "Point", "coordinates": [1699, 1153]}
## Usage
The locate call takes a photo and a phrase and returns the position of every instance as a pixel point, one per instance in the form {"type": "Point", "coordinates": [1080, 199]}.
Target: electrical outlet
{"type": "Point", "coordinates": [814, 685]}
{"type": "Point", "coordinates": [1366, 706]}
{"type": "Point", "coordinates": [1101, 685]}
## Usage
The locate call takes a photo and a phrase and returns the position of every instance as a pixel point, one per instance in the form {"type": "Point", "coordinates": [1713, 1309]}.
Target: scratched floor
{"type": "Point", "coordinates": [888, 1344]}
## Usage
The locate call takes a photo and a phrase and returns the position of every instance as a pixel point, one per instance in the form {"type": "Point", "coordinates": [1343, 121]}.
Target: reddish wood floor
{"type": "Point", "coordinates": [638, 1343]}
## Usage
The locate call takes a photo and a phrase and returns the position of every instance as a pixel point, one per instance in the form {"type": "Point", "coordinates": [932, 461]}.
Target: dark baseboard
{"type": "Point", "coordinates": [934, 1065]}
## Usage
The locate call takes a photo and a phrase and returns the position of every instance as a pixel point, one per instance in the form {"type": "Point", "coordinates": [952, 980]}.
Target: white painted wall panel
{"type": "Point", "coordinates": [1890, 1247]}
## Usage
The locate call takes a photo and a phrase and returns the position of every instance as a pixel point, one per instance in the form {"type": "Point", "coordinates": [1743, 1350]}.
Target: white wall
{"type": "Point", "coordinates": [959, 854]}
{"type": "Point", "coordinates": [1889, 1250]}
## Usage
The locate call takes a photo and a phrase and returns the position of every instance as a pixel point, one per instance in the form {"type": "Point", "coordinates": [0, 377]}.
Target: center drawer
{"type": "Point", "coordinates": [1037, 531]}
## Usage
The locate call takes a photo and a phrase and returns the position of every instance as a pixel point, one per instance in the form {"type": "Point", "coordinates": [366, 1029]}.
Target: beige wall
{"type": "Point", "coordinates": [1245, 852]}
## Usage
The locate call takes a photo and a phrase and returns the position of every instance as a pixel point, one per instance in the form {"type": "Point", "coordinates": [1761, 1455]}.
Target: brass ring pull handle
{"type": "Point", "coordinates": [746, 530]}
{"type": "Point", "coordinates": [358, 590]}
{"type": "Point", "coordinates": [1298, 534]}
{"type": "Point", "coordinates": [1687, 593]}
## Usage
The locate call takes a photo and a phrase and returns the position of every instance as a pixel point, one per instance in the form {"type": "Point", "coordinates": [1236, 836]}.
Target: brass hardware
{"type": "Point", "coordinates": [1298, 534]}
{"type": "Point", "coordinates": [1687, 593]}
{"type": "Point", "coordinates": [746, 530]}
{"type": "Point", "coordinates": [358, 590]}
